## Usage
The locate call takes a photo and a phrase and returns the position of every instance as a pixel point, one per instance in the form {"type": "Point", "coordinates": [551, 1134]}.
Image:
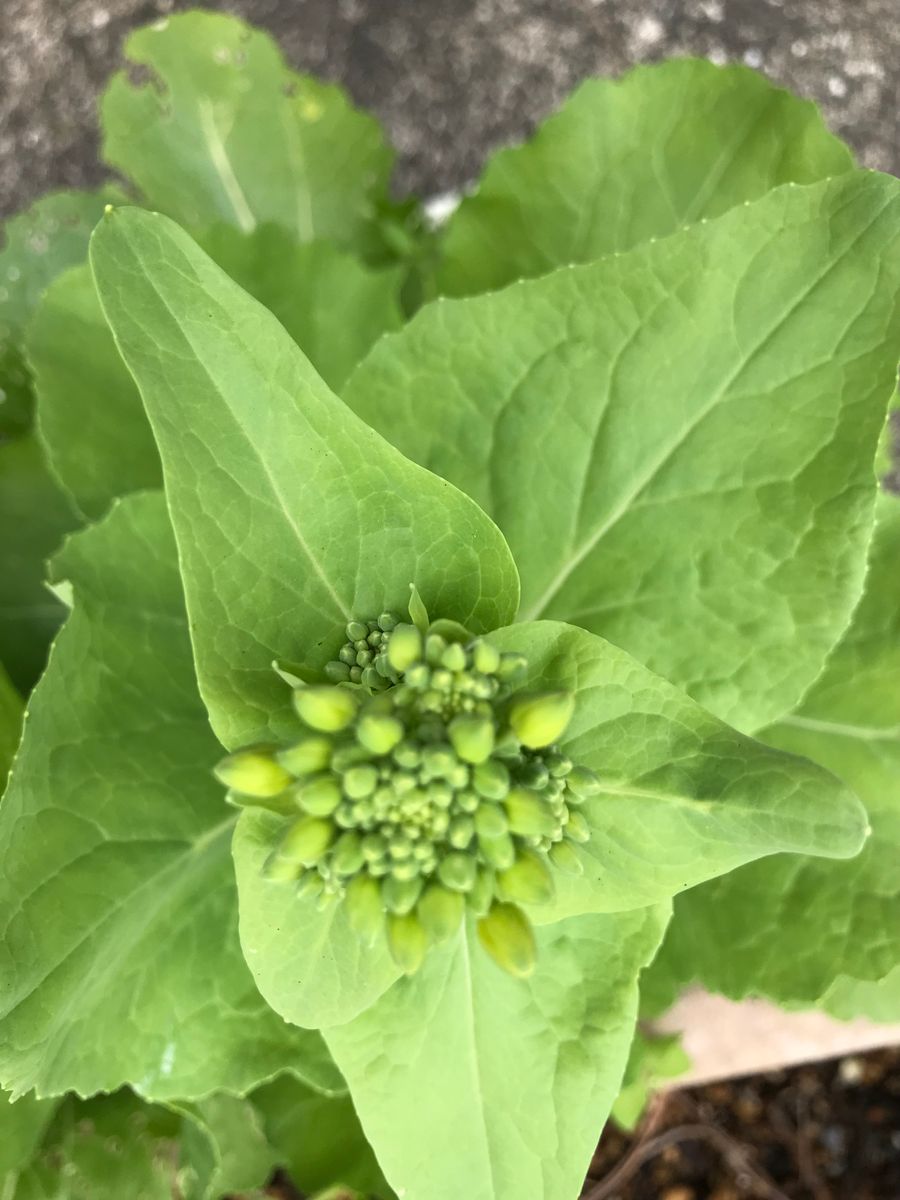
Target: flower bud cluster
{"type": "Point", "coordinates": [424, 790]}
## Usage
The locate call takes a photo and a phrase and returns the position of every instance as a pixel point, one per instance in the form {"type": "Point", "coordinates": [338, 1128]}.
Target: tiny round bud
{"type": "Point", "coordinates": [542, 718]}
{"type": "Point", "coordinates": [583, 782]}
{"type": "Point", "coordinates": [356, 631]}
{"type": "Point", "coordinates": [387, 621]}
{"type": "Point", "coordinates": [306, 757]}
{"type": "Point", "coordinates": [400, 895]}
{"type": "Point", "coordinates": [379, 734]}
{"type": "Point", "coordinates": [558, 764]}
{"type": "Point", "coordinates": [457, 871]}
{"type": "Point", "coordinates": [491, 779]}
{"type": "Point", "coordinates": [337, 672]}
{"type": "Point", "coordinates": [364, 908]}
{"type": "Point", "coordinates": [527, 881]}
{"type": "Point", "coordinates": [498, 852]}
{"type": "Point", "coordinates": [434, 649]}
{"type": "Point", "coordinates": [360, 781]}
{"type": "Point", "coordinates": [529, 815]}
{"type": "Point", "coordinates": [404, 647]}
{"type": "Point", "coordinates": [461, 832]}
{"type": "Point", "coordinates": [253, 772]}
{"type": "Point", "coordinates": [328, 709]}
{"type": "Point", "coordinates": [485, 657]}
{"type": "Point", "coordinates": [440, 911]}
{"type": "Point", "coordinates": [319, 796]}
{"type": "Point", "coordinates": [454, 657]}
{"type": "Point", "coordinates": [507, 936]}
{"type": "Point", "coordinates": [407, 941]}
{"type": "Point", "coordinates": [374, 847]}
{"type": "Point", "coordinates": [472, 737]}
{"type": "Point", "coordinates": [307, 840]}
{"type": "Point", "coordinates": [490, 820]}
{"type": "Point", "coordinates": [347, 856]}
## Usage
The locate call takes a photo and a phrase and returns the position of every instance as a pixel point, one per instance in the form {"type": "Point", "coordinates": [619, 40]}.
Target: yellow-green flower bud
{"type": "Point", "coordinates": [481, 896]}
{"type": "Point", "coordinates": [499, 851]}
{"type": "Point", "coordinates": [379, 733]}
{"type": "Point", "coordinates": [577, 827]}
{"type": "Point", "coordinates": [457, 871]}
{"type": "Point", "coordinates": [454, 657]}
{"type": "Point", "coordinates": [490, 820]}
{"type": "Point", "coordinates": [328, 709]}
{"type": "Point", "coordinates": [583, 782]}
{"type": "Point", "coordinates": [527, 881]}
{"type": "Point", "coordinates": [253, 772]}
{"type": "Point", "coordinates": [485, 657]}
{"type": "Point", "coordinates": [407, 941]}
{"type": "Point", "coordinates": [307, 840]}
{"type": "Point", "coordinates": [360, 781]}
{"type": "Point", "coordinates": [337, 672]}
{"type": "Point", "coordinates": [540, 719]}
{"type": "Point", "coordinates": [472, 737]}
{"type": "Point", "coordinates": [404, 647]}
{"type": "Point", "coordinates": [306, 757]}
{"type": "Point", "coordinates": [461, 832]}
{"type": "Point", "coordinates": [491, 779]}
{"type": "Point", "coordinates": [347, 856]}
{"type": "Point", "coordinates": [529, 815]}
{"type": "Point", "coordinates": [511, 665]}
{"type": "Point", "coordinates": [281, 870]}
{"type": "Point", "coordinates": [357, 631]}
{"type": "Point", "coordinates": [319, 796]}
{"type": "Point", "coordinates": [364, 908]}
{"type": "Point", "coordinates": [440, 911]}
{"type": "Point", "coordinates": [564, 856]}
{"type": "Point", "coordinates": [400, 895]}
{"type": "Point", "coordinates": [507, 936]}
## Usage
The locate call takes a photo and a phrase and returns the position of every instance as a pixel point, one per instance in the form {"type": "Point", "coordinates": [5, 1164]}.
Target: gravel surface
{"type": "Point", "coordinates": [451, 79]}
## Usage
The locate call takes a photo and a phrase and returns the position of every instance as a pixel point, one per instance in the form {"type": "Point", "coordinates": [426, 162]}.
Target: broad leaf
{"type": "Point", "coordinates": [22, 1126]}
{"type": "Point", "coordinates": [224, 1148]}
{"type": "Point", "coordinates": [222, 129]}
{"type": "Point", "coordinates": [469, 1082]}
{"type": "Point", "coordinates": [684, 797]}
{"type": "Point", "coordinates": [116, 885]}
{"type": "Point", "coordinates": [292, 516]}
{"type": "Point", "coordinates": [678, 441]}
{"type": "Point", "coordinates": [34, 519]}
{"type": "Point", "coordinates": [789, 927]}
{"type": "Point", "coordinates": [10, 724]}
{"type": "Point", "coordinates": [38, 244]}
{"type": "Point", "coordinates": [879, 999]}
{"type": "Point", "coordinates": [624, 161]}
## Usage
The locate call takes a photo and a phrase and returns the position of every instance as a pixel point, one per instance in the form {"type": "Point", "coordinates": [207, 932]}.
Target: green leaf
{"type": "Point", "coordinates": [470, 1082]}
{"type": "Point", "coordinates": [38, 244]}
{"type": "Point", "coordinates": [652, 1061]}
{"type": "Point", "coordinates": [677, 442]}
{"type": "Point", "coordinates": [291, 515]}
{"type": "Point", "coordinates": [879, 999]}
{"type": "Point", "coordinates": [310, 966]}
{"type": "Point", "coordinates": [319, 1138]}
{"type": "Point", "coordinates": [333, 305]}
{"type": "Point", "coordinates": [221, 129]}
{"type": "Point", "coordinates": [224, 1148]}
{"type": "Point", "coordinates": [34, 518]}
{"type": "Point", "coordinates": [723, 933]}
{"type": "Point", "coordinates": [684, 797]}
{"type": "Point", "coordinates": [625, 161]}
{"type": "Point", "coordinates": [116, 885]}
{"type": "Point", "coordinates": [22, 1126]}
{"type": "Point", "coordinates": [10, 724]}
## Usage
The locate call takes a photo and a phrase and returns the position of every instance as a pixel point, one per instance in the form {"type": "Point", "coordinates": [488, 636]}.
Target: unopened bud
{"type": "Point", "coordinates": [461, 832]}
{"type": "Point", "coordinates": [507, 936]}
{"type": "Point", "coordinates": [253, 772]}
{"type": "Point", "coordinates": [400, 895]}
{"type": "Point", "coordinates": [281, 870]}
{"type": "Point", "coordinates": [490, 820]}
{"type": "Point", "coordinates": [347, 856]}
{"type": "Point", "coordinates": [360, 781]}
{"type": "Point", "coordinates": [529, 815]}
{"type": "Point", "coordinates": [337, 672]}
{"type": "Point", "coordinates": [577, 828]}
{"type": "Point", "coordinates": [457, 871]}
{"type": "Point", "coordinates": [364, 908]}
{"type": "Point", "coordinates": [481, 896]}
{"type": "Point", "coordinates": [440, 911]}
{"type": "Point", "coordinates": [357, 632]}
{"type": "Point", "coordinates": [306, 757]}
{"type": "Point", "coordinates": [541, 719]}
{"type": "Point", "coordinates": [307, 840]}
{"type": "Point", "coordinates": [491, 779]}
{"type": "Point", "coordinates": [472, 737]}
{"type": "Point", "coordinates": [527, 881]}
{"type": "Point", "coordinates": [499, 851]}
{"type": "Point", "coordinates": [404, 647]}
{"type": "Point", "coordinates": [583, 782]}
{"type": "Point", "coordinates": [378, 733]}
{"type": "Point", "coordinates": [485, 657]}
{"type": "Point", "coordinates": [407, 941]}
{"type": "Point", "coordinates": [454, 657]}
{"type": "Point", "coordinates": [511, 665]}
{"type": "Point", "coordinates": [328, 709]}
{"type": "Point", "coordinates": [564, 856]}
{"type": "Point", "coordinates": [319, 796]}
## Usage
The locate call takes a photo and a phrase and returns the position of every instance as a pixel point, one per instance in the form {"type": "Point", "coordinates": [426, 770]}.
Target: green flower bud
{"type": "Point", "coordinates": [457, 871]}
{"type": "Point", "coordinates": [583, 782]}
{"type": "Point", "coordinates": [306, 757]}
{"type": "Point", "coordinates": [564, 856]}
{"type": "Point", "coordinates": [577, 828]}
{"type": "Point", "coordinates": [481, 896]}
{"type": "Point", "coordinates": [507, 936]}
{"type": "Point", "coordinates": [434, 649]}
{"type": "Point", "coordinates": [337, 672]}
{"type": "Point", "coordinates": [400, 895]}
{"type": "Point", "coordinates": [467, 802]}
{"type": "Point", "coordinates": [540, 719]}
{"type": "Point", "coordinates": [347, 756]}
{"type": "Point", "coordinates": [485, 658]}
{"type": "Point", "coordinates": [527, 881]}
{"type": "Point", "coordinates": [343, 815]}
{"type": "Point", "coordinates": [404, 648]}
{"type": "Point", "coordinates": [281, 870]}
{"type": "Point", "coordinates": [356, 631]}
{"type": "Point", "coordinates": [491, 779]}
{"type": "Point", "coordinates": [528, 814]}
{"type": "Point", "coordinates": [472, 737]}
{"type": "Point", "coordinates": [439, 761]}
{"type": "Point", "coordinates": [511, 665]}
{"type": "Point", "coordinates": [328, 709]}
{"type": "Point", "coordinates": [312, 885]}
{"type": "Point", "coordinates": [407, 941]}
{"type": "Point", "coordinates": [347, 856]}
{"type": "Point", "coordinates": [399, 847]}
{"type": "Point", "coordinates": [454, 657]}
{"type": "Point", "coordinates": [440, 912]}
{"type": "Point", "coordinates": [418, 676]}
{"type": "Point", "coordinates": [408, 868]}
{"type": "Point", "coordinates": [364, 908]}
{"type": "Point", "coordinates": [307, 840]}
{"type": "Point", "coordinates": [319, 796]}
{"type": "Point", "coordinates": [387, 621]}
{"type": "Point", "coordinates": [440, 794]}
{"type": "Point", "coordinates": [374, 847]}
{"type": "Point", "coordinates": [490, 821]}
{"type": "Point", "coordinates": [360, 781]}
{"type": "Point", "coordinates": [407, 756]}
{"type": "Point", "coordinates": [379, 734]}
{"type": "Point", "coordinates": [558, 764]}
{"type": "Point", "coordinates": [533, 774]}
{"type": "Point", "coordinates": [347, 654]}
{"type": "Point", "coordinates": [498, 852]}
{"type": "Point", "coordinates": [461, 832]}
{"type": "Point", "coordinates": [253, 772]}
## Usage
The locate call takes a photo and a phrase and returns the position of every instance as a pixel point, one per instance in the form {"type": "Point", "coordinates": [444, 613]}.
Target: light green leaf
{"type": "Point", "coordinates": [291, 515]}
{"type": "Point", "coordinates": [222, 129]}
{"type": "Point", "coordinates": [224, 1148]}
{"type": "Point", "coordinates": [625, 161]}
{"type": "Point", "coordinates": [10, 724]}
{"type": "Point", "coordinates": [653, 1061]}
{"type": "Point", "coordinates": [825, 919]}
{"type": "Point", "coordinates": [34, 518]}
{"type": "Point", "coordinates": [319, 1138]}
{"type": "Point", "coordinates": [22, 1126]}
{"type": "Point", "coordinates": [677, 442]}
{"type": "Point", "coordinates": [684, 797]}
{"type": "Point", "coordinates": [470, 1082]}
{"type": "Point", "coordinates": [38, 244]}
{"type": "Point", "coordinates": [116, 885]}
{"type": "Point", "coordinates": [310, 966]}
{"type": "Point", "coordinates": [878, 999]}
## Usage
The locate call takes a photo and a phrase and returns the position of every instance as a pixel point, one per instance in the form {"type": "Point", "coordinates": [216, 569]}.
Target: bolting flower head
{"type": "Point", "coordinates": [424, 785]}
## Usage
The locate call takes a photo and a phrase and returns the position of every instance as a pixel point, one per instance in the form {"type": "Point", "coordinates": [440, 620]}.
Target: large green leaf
{"type": "Point", "coordinates": [38, 244]}
{"type": "Point", "coordinates": [22, 1126]}
{"type": "Point", "coordinates": [789, 927]}
{"type": "Point", "coordinates": [628, 160]}
{"type": "Point", "coordinates": [225, 1148]}
{"type": "Point", "coordinates": [34, 518]}
{"type": "Point", "coordinates": [222, 129]}
{"type": "Point", "coordinates": [877, 999]}
{"type": "Point", "coordinates": [291, 515]}
{"type": "Point", "coordinates": [469, 1082]}
{"type": "Point", "coordinates": [678, 441]}
{"type": "Point", "coordinates": [116, 885]}
{"type": "Point", "coordinates": [10, 724]}
{"type": "Point", "coordinates": [684, 797]}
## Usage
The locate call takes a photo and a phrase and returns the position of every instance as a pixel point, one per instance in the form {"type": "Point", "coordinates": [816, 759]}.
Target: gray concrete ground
{"type": "Point", "coordinates": [451, 79]}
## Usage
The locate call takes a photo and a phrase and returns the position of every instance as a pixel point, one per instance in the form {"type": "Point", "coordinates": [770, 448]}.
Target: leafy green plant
{"type": "Point", "coordinates": [418, 662]}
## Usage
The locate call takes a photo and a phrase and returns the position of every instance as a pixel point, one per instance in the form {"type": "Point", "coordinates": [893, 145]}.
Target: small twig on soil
{"type": "Point", "coordinates": [732, 1151]}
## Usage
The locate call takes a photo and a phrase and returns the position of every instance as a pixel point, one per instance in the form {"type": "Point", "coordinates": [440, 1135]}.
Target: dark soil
{"type": "Point", "coordinates": [830, 1131]}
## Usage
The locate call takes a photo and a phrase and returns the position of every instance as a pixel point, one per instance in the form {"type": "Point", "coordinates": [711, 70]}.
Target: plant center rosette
{"type": "Point", "coordinates": [424, 784]}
